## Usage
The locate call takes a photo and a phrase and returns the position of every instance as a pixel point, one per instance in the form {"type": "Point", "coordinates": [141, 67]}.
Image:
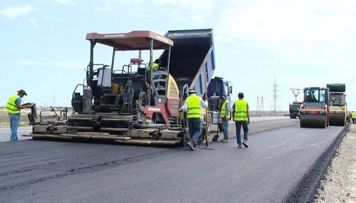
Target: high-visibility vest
{"type": "Point", "coordinates": [354, 114]}
{"type": "Point", "coordinates": [11, 105]}
{"type": "Point", "coordinates": [223, 110]}
{"type": "Point", "coordinates": [193, 106]}
{"type": "Point", "coordinates": [240, 110]}
{"type": "Point", "coordinates": [154, 67]}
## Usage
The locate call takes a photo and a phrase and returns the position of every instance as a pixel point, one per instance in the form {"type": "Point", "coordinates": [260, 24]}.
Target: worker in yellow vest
{"type": "Point", "coordinates": [192, 106]}
{"type": "Point", "coordinates": [225, 117]}
{"type": "Point", "coordinates": [353, 116]}
{"type": "Point", "coordinates": [13, 107]}
{"type": "Point", "coordinates": [242, 118]}
{"type": "Point", "coordinates": [155, 67]}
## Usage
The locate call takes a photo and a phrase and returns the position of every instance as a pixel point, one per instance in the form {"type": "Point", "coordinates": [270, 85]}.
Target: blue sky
{"type": "Point", "coordinates": [297, 43]}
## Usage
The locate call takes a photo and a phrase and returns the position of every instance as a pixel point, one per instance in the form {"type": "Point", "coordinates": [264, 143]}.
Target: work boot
{"type": "Point", "coordinates": [190, 145]}
{"type": "Point", "coordinates": [239, 146]}
{"type": "Point", "coordinates": [245, 143]}
{"type": "Point", "coordinates": [225, 141]}
{"type": "Point", "coordinates": [215, 138]}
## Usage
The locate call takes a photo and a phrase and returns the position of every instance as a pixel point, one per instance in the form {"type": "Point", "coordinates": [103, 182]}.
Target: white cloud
{"type": "Point", "coordinates": [199, 9]}
{"type": "Point", "coordinates": [305, 32]}
{"type": "Point", "coordinates": [34, 21]}
{"type": "Point", "coordinates": [303, 43]}
{"type": "Point", "coordinates": [37, 21]}
{"type": "Point", "coordinates": [141, 15]}
{"type": "Point", "coordinates": [102, 8]}
{"type": "Point", "coordinates": [12, 12]}
{"type": "Point", "coordinates": [66, 2]}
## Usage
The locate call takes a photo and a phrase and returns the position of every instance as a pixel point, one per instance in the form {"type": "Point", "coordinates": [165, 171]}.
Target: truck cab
{"type": "Point", "coordinates": [294, 109]}
{"type": "Point", "coordinates": [218, 87]}
{"type": "Point", "coordinates": [338, 113]}
{"type": "Point", "coordinates": [314, 111]}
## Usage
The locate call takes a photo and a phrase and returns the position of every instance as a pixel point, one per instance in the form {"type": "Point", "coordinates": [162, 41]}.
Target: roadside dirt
{"type": "Point", "coordinates": [340, 181]}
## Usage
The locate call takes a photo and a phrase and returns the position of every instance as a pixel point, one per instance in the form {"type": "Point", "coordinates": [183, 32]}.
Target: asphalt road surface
{"type": "Point", "coordinates": [5, 133]}
{"type": "Point", "coordinates": [50, 171]}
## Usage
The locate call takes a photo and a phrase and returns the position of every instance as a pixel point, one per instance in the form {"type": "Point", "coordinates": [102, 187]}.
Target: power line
{"type": "Point", "coordinates": [295, 92]}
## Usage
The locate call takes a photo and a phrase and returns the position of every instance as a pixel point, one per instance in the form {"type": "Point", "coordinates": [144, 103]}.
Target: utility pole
{"type": "Point", "coordinates": [295, 92]}
{"type": "Point", "coordinates": [275, 96]}
{"type": "Point", "coordinates": [262, 106]}
{"type": "Point", "coordinates": [258, 106]}
{"type": "Point", "coordinates": [54, 99]}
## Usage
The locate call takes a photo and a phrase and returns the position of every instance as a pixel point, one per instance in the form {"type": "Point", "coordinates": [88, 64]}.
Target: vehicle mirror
{"type": "Point", "coordinates": [230, 89]}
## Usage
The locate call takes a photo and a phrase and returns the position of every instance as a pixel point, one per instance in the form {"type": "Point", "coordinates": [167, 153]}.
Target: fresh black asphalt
{"type": "Point", "coordinates": [53, 171]}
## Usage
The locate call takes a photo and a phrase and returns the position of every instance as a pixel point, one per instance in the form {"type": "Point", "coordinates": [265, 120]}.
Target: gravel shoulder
{"type": "Point", "coordinates": [339, 184]}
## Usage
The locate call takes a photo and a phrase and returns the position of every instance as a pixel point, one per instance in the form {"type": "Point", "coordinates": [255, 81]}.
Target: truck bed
{"type": "Point", "coordinates": [192, 58]}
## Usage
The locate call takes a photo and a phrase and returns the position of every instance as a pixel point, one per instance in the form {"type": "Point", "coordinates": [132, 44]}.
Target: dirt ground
{"type": "Point", "coordinates": [340, 182]}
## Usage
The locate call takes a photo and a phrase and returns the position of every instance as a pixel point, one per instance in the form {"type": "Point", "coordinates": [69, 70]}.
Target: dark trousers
{"type": "Point", "coordinates": [225, 126]}
{"type": "Point", "coordinates": [194, 130]}
{"type": "Point", "coordinates": [238, 125]}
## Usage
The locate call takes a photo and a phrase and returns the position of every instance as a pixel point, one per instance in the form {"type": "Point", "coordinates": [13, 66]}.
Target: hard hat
{"type": "Point", "coordinates": [22, 92]}
{"type": "Point", "coordinates": [192, 91]}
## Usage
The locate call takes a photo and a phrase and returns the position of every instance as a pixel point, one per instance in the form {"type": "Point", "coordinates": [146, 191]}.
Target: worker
{"type": "Point", "coordinates": [242, 118]}
{"type": "Point", "coordinates": [155, 65]}
{"type": "Point", "coordinates": [225, 117]}
{"type": "Point", "coordinates": [311, 96]}
{"type": "Point", "coordinates": [13, 108]}
{"type": "Point", "coordinates": [353, 115]}
{"type": "Point", "coordinates": [332, 101]}
{"type": "Point", "coordinates": [192, 106]}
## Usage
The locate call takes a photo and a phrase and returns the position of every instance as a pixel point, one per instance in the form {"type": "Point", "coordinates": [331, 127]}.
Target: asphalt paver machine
{"type": "Point", "coordinates": [129, 103]}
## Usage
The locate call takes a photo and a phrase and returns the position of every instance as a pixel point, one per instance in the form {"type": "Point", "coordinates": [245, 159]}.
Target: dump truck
{"type": "Point", "coordinates": [294, 109]}
{"type": "Point", "coordinates": [132, 103]}
{"type": "Point", "coordinates": [194, 61]}
{"type": "Point", "coordinates": [338, 113]}
{"type": "Point", "coordinates": [314, 111]}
